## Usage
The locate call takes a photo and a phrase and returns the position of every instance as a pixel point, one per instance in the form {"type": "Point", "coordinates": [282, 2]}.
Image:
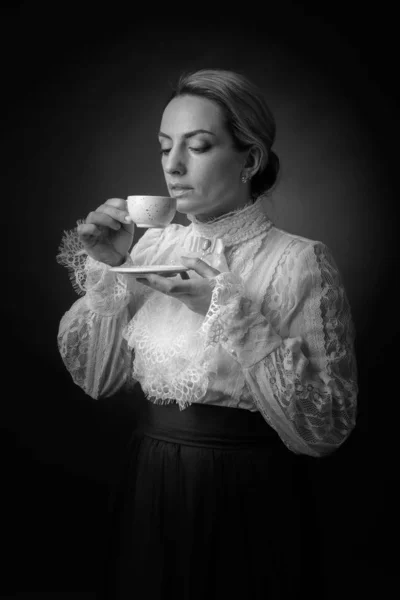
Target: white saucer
{"type": "Point", "coordinates": [148, 269]}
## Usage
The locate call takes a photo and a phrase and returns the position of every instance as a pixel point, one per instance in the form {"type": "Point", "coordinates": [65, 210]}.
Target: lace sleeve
{"type": "Point", "coordinates": [107, 292]}
{"type": "Point", "coordinates": [94, 351]}
{"type": "Point", "coordinates": [90, 337]}
{"type": "Point", "coordinates": [304, 379]}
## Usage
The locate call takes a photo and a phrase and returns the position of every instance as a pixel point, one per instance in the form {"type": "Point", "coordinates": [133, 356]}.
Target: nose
{"type": "Point", "coordinates": [175, 163]}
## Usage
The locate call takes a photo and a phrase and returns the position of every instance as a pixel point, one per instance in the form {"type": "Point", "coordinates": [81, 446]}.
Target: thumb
{"type": "Point", "coordinates": [199, 266]}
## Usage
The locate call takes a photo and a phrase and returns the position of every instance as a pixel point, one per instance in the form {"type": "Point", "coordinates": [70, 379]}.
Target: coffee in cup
{"type": "Point", "coordinates": [151, 211]}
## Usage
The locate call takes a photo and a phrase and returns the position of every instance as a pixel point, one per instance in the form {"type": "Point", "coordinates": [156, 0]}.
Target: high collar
{"type": "Point", "coordinates": [234, 227]}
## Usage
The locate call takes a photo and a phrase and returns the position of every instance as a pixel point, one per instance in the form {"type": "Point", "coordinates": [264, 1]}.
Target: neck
{"type": "Point", "coordinates": [220, 214]}
{"type": "Point", "coordinates": [233, 227]}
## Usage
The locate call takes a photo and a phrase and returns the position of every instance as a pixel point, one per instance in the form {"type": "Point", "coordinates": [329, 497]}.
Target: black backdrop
{"type": "Point", "coordinates": [84, 89]}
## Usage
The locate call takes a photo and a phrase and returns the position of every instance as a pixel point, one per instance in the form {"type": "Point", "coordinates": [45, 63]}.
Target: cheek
{"type": "Point", "coordinates": [218, 173]}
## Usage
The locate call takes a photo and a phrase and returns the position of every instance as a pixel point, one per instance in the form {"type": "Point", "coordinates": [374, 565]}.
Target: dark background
{"type": "Point", "coordinates": [84, 88]}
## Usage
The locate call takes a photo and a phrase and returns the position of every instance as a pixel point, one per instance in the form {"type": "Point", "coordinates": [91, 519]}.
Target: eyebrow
{"type": "Point", "coordinates": [188, 134]}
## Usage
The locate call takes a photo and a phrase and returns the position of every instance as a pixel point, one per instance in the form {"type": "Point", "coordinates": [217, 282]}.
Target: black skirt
{"type": "Point", "coordinates": [212, 505]}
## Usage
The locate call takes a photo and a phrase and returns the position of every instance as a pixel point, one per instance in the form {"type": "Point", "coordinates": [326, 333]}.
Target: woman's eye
{"type": "Point", "coordinates": [197, 149]}
{"type": "Point", "coordinates": [200, 148]}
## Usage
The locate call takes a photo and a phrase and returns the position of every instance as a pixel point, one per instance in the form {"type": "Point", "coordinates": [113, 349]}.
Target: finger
{"type": "Point", "coordinates": [183, 274]}
{"type": "Point", "coordinates": [103, 219]}
{"type": "Point", "coordinates": [119, 214]}
{"type": "Point", "coordinates": [198, 265]}
{"type": "Point", "coordinates": [88, 230]}
{"type": "Point", "coordinates": [154, 285]}
{"type": "Point", "coordinates": [164, 285]}
{"type": "Point", "coordinates": [119, 203]}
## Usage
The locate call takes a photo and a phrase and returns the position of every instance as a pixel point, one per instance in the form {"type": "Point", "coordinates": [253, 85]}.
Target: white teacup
{"type": "Point", "coordinates": [151, 211]}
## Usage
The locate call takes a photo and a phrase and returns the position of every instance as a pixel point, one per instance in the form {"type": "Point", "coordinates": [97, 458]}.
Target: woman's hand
{"type": "Point", "coordinates": [107, 233]}
{"type": "Point", "coordinates": [195, 293]}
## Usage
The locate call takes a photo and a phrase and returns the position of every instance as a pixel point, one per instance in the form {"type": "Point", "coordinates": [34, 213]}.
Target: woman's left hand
{"type": "Point", "coordinates": [195, 293]}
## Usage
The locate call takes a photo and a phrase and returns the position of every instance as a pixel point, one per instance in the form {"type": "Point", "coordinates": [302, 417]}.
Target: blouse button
{"type": "Point", "coordinates": [206, 244]}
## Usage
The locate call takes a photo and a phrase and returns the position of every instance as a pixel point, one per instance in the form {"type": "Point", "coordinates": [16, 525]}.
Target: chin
{"type": "Point", "coordinates": [186, 206]}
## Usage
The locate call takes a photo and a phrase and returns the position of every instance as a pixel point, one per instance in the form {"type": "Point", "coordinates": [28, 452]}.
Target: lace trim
{"type": "Point", "coordinates": [72, 254]}
{"type": "Point", "coordinates": [276, 302]}
{"type": "Point", "coordinates": [236, 227]}
{"type": "Point", "coordinates": [235, 322]}
{"type": "Point", "coordinates": [244, 266]}
{"type": "Point", "coordinates": [170, 362]}
{"type": "Point", "coordinates": [107, 292]}
{"type": "Point", "coordinates": [228, 290]}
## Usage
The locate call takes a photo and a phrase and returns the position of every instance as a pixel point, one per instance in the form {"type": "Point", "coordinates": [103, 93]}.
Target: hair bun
{"type": "Point", "coordinates": [263, 181]}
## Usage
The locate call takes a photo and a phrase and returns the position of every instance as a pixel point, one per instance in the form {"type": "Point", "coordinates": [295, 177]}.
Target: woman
{"type": "Point", "coordinates": [248, 364]}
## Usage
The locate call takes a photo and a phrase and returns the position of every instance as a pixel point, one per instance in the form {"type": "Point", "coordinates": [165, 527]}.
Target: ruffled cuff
{"type": "Point", "coordinates": [236, 324]}
{"type": "Point", "coordinates": [107, 292]}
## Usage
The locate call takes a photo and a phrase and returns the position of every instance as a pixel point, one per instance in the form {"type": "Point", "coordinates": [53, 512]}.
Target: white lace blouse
{"type": "Point", "coordinates": [278, 337]}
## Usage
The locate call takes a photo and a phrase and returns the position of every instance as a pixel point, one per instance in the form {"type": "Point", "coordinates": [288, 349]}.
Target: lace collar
{"type": "Point", "coordinates": [234, 227]}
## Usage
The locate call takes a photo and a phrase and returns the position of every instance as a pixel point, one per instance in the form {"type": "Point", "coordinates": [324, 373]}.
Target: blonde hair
{"type": "Point", "coordinates": [247, 117]}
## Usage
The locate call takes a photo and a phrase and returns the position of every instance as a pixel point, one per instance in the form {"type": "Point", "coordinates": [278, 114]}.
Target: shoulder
{"type": "Point", "coordinates": [297, 254]}
{"type": "Point", "coordinates": [298, 247]}
{"type": "Point", "coordinates": [293, 242]}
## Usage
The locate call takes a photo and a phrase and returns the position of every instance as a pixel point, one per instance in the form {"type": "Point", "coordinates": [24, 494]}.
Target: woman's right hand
{"type": "Point", "coordinates": [107, 233]}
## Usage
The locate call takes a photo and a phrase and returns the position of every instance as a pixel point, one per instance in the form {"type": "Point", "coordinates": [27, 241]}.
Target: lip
{"type": "Point", "coordinates": [179, 187]}
{"type": "Point", "coordinates": [179, 192]}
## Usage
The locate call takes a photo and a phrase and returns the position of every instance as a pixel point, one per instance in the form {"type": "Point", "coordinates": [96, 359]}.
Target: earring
{"type": "Point", "coordinates": [245, 178]}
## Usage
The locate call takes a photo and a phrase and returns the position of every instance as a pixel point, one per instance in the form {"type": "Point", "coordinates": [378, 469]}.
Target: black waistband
{"type": "Point", "coordinates": [207, 425]}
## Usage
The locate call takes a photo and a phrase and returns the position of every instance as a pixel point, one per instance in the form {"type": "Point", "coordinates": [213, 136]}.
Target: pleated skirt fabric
{"type": "Point", "coordinates": [211, 505]}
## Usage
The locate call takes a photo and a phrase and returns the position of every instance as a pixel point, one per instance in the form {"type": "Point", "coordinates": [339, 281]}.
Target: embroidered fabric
{"type": "Point", "coordinates": [170, 360]}
{"type": "Point", "coordinates": [228, 291]}
{"type": "Point", "coordinates": [107, 292]}
{"type": "Point", "coordinates": [243, 265]}
{"type": "Point", "coordinates": [235, 227]}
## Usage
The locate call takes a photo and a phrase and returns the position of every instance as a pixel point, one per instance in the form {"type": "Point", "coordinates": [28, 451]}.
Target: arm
{"type": "Point", "coordinates": [90, 337]}
{"type": "Point", "coordinates": [90, 333]}
{"type": "Point", "coordinates": [303, 379]}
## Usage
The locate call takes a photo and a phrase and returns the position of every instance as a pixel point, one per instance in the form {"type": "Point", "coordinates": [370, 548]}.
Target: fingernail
{"type": "Point", "coordinates": [128, 219]}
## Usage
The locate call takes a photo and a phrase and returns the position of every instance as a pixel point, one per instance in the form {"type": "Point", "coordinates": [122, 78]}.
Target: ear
{"type": "Point", "coordinates": [253, 161]}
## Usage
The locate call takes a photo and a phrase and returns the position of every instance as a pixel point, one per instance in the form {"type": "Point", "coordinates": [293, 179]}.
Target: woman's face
{"type": "Point", "coordinates": [201, 166]}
